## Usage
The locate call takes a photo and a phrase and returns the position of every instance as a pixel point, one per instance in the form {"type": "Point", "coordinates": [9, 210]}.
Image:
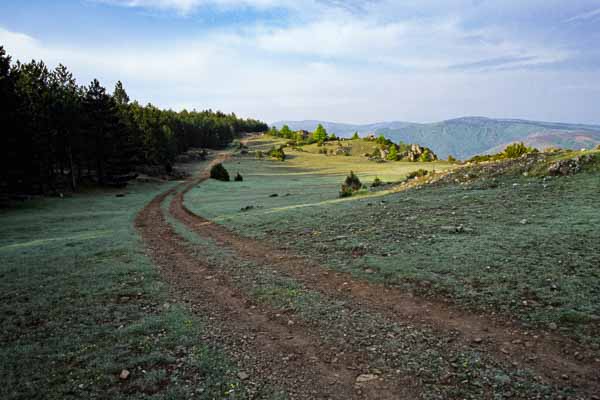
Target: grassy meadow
{"type": "Point", "coordinates": [306, 181]}
{"type": "Point", "coordinates": [526, 247]}
{"type": "Point", "coordinates": [81, 303]}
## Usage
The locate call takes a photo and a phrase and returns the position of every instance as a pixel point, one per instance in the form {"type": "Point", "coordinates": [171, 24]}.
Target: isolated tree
{"type": "Point", "coordinates": [351, 185]}
{"type": "Point", "coordinates": [355, 136]}
{"type": "Point", "coordinates": [219, 173]}
{"type": "Point", "coordinates": [286, 132]}
{"type": "Point", "coordinates": [393, 154]}
{"type": "Point", "coordinates": [320, 134]}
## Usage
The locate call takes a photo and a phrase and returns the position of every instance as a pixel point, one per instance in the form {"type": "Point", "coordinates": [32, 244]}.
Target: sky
{"type": "Point", "coordinates": [346, 61]}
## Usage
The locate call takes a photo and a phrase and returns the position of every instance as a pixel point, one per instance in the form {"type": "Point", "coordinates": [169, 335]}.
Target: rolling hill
{"type": "Point", "coordinates": [467, 136]}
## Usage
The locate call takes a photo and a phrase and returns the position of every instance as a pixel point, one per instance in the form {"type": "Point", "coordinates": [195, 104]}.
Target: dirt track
{"type": "Point", "coordinates": [288, 357]}
{"type": "Point", "coordinates": [306, 373]}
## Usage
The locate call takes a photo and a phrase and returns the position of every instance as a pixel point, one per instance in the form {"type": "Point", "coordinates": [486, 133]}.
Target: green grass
{"type": "Point", "coordinates": [544, 270]}
{"type": "Point", "coordinates": [396, 348]}
{"type": "Point", "coordinates": [81, 302]}
{"type": "Point", "coordinates": [304, 180]}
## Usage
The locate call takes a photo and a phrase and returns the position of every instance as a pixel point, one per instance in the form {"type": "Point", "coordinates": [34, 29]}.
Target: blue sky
{"type": "Point", "coordinates": [348, 61]}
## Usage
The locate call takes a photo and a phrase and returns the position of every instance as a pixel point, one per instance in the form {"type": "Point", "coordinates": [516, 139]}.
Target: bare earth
{"type": "Point", "coordinates": [290, 354]}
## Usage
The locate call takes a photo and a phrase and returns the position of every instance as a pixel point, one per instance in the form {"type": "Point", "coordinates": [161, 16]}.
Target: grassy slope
{"type": "Point", "coordinates": [543, 271]}
{"type": "Point", "coordinates": [305, 180]}
{"type": "Point", "coordinates": [80, 302]}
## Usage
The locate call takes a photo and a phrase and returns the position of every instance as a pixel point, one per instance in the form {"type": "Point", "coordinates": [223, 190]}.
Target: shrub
{"type": "Point", "coordinates": [451, 159]}
{"type": "Point", "coordinates": [219, 173]}
{"type": "Point", "coordinates": [376, 182]}
{"type": "Point", "coordinates": [259, 154]}
{"type": "Point", "coordinates": [355, 136]}
{"type": "Point", "coordinates": [417, 174]}
{"type": "Point", "coordinates": [277, 153]}
{"type": "Point", "coordinates": [351, 184]}
{"type": "Point", "coordinates": [516, 150]}
{"type": "Point", "coordinates": [238, 178]}
{"type": "Point", "coordinates": [393, 154]}
{"type": "Point", "coordinates": [598, 147]}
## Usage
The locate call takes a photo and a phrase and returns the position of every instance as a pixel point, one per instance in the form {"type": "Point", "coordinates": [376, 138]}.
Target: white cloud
{"type": "Point", "coordinates": [339, 66]}
{"type": "Point", "coordinates": [186, 7]}
{"type": "Point", "coordinates": [416, 43]}
{"type": "Point", "coordinates": [585, 16]}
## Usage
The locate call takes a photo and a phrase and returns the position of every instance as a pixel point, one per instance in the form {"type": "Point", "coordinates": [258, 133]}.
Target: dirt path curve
{"type": "Point", "coordinates": [554, 358]}
{"type": "Point", "coordinates": [269, 349]}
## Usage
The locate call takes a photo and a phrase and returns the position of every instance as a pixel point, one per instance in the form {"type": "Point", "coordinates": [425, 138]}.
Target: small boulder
{"type": "Point", "coordinates": [364, 378]}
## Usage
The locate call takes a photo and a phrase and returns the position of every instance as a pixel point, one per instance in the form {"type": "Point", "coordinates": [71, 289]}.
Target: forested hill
{"type": "Point", "coordinates": [54, 130]}
{"type": "Point", "coordinates": [468, 136]}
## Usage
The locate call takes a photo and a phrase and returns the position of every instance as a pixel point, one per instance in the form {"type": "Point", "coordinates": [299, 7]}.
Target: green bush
{"type": "Point", "coordinates": [259, 154]}
{"type": "Point", "coordinates": [417, 174]}
{"type": "Point", "coordinates": [516, 150]}
{"type": "Point", "coordinates": [277, 153]}
{"type": "Point", "coordinates": [238, 178]}
{"type": "Point", "coordinates": [451, 159]}
{"type": "Point", "coordinates": [376, 182]}
{"type": "Point", "coordinates": [219, 173]}
{"type": "Point", "coordinates": [351, 184]}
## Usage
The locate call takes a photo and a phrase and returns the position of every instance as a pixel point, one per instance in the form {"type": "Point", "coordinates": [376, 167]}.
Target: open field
{"type": "Point", "coordinates": [368, 297]}
{"type": "Point", "coordinates": [81, 303]}
{"type": "Point", "coordinates": [528, 249]}
{"type": "Point", "coordinates": [302, 180]}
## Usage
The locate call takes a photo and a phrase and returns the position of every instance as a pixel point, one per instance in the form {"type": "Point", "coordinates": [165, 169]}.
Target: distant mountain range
{"type": "Point", "coordinates": [468, 136]}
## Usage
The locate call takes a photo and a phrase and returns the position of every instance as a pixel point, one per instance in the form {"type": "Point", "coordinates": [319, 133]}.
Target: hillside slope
{"type": "Point", "coordinates": [468, 136]}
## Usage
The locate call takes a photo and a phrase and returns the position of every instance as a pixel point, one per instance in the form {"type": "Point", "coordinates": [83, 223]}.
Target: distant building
{"type": "Point", "coordinates": [370, 136]}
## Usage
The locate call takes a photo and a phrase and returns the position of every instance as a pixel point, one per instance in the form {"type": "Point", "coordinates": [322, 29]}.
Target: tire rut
{"type": "Point", "coordinates": [289, 357]}
{"type": "Point", "coordinates": [547, 355]}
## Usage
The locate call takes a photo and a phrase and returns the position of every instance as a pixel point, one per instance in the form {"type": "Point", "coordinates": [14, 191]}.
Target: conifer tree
{"type": "Point", "coordinates": [320, 134]}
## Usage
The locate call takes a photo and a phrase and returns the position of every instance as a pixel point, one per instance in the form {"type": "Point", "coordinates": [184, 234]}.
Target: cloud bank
{"type": "Point", "coordinates": [352, 62]}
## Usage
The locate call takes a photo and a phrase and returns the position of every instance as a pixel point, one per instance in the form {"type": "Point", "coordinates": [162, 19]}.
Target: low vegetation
{"type": "Point", "coordinates": [417, 174]}
{"type": "Point", "coordinates": [513, 150]}
{"type": "Point", "coordinates": [85, 313]}
{"type": "Point", "coordinates": [219, 173]}
{"type": "Point", "coordinates": [351, 185]}
{"type": "Point", "coordinates": [509, 216]}
{"type": "Point", "coordinates": [277, 153]}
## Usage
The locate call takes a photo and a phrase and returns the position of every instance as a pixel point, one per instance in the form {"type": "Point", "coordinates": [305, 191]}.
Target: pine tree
{"type": "Point", "coordinates": [320, 134]}
{"type": "Point", "coordinates": [286, 132]}
{"type": "Point", "coordinates": [393, 154]}
{"type": "Point", "coordinates": [120, 95]}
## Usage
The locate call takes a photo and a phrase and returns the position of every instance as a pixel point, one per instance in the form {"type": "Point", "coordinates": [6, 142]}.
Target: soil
{"type": "Point", "coordinates": [294, 356]}
{"type": "Point", "coordinates": [267, 348]}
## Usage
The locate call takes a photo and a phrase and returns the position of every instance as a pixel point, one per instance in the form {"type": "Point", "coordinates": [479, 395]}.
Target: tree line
{"type": "Point", "coordinates": [56, 132]}
{"type": "Point", "coordinates": [302, 137]}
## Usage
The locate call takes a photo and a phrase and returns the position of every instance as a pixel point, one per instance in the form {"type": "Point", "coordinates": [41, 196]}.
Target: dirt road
{"type": "Point", "coordinates": [295, 356]}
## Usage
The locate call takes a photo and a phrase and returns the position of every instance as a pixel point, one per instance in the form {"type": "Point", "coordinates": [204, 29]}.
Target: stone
{"type": "Point", "coordinates": [553, 326]}
{"type": "Point", "coordinates": [364, 378]}
{"type": "Point", "coordinates": [124, 375]}
{"type": "Point", "coordinates": [243, 376]}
